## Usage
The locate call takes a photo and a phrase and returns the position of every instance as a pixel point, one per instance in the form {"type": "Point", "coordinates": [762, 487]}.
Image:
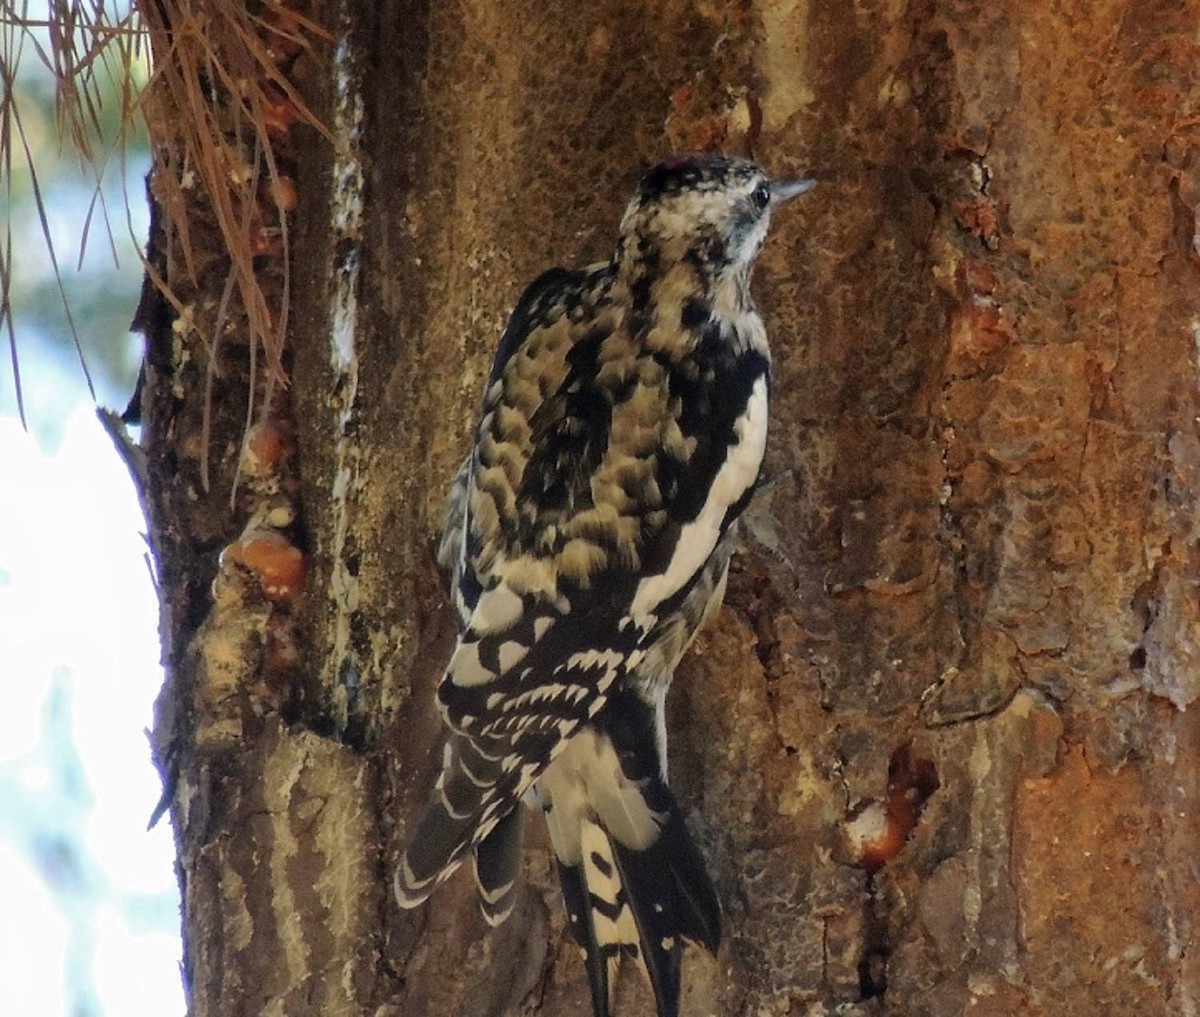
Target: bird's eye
{"type": "Point", "coordinates": [760, 196]}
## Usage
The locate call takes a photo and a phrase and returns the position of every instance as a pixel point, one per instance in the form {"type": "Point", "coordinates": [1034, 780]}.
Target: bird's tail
{"type": "Point", "coordinates": [623, 902]}
{"type": "Point", "coordinates": [634, 881]}
{"type": "Point", "coordinates": [466, 812]}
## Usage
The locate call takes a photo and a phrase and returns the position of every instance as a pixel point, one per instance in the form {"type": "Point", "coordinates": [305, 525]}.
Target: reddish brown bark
{"type": "Point", "coordinates": [977, 549]}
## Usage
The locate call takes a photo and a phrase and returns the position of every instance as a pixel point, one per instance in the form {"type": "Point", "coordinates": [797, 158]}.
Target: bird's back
{"type": "Point", "coordinates": [622, 431]}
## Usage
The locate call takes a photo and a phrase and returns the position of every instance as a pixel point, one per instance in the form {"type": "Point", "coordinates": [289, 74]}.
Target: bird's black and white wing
{"type": "Point", "coordinates": [597, 491]}
{"type": "Point", "coordinates": [622, 431]}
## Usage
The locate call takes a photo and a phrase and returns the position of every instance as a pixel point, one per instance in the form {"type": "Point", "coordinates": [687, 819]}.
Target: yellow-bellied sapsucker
{"type": "Point", "coordinates": [588, 538]}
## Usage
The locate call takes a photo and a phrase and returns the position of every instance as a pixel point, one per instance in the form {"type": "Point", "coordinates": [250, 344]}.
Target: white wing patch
{"type": "Point", "coordinates": [698, 538]}
{"type": "Point", "coordinates": [466, 669]}
{"type": "Point", "coordinates": [511, 654]}
{"type": "Point", "coordinates": [498, 609]}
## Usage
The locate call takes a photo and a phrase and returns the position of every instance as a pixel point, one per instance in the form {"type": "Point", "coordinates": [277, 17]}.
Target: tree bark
{"type": "Point", "coordinates": [936, 745]}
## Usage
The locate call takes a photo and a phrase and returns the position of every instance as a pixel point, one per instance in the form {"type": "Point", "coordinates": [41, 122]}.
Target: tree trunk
{"type": "Point", "coordinates": [935, 745]}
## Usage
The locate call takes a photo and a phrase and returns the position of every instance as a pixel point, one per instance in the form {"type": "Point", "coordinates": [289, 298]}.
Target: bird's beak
{"type": "Point", "coordinates": [786, 190]}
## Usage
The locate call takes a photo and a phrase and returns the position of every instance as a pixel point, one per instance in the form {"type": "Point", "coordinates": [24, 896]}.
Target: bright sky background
{"type": "Point", "coordinates": [89, 905]}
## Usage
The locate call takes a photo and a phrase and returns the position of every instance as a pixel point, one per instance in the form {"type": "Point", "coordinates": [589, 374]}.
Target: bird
{"type": "Point", "coordinates": [588, 536]}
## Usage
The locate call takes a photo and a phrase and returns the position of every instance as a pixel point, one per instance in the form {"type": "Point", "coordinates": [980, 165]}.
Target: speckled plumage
{"type": "Point", "coordinates": [588, 537]}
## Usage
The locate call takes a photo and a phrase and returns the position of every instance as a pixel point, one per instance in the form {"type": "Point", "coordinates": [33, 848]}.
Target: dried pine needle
{"type": "Point", "coordinates": [218, 64]}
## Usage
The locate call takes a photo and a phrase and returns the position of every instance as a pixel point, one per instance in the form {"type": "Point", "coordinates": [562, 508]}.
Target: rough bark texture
{"type": "Point", "coordinates": [967, 603]}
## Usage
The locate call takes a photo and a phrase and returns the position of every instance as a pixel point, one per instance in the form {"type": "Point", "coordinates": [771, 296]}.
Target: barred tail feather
{"type": "Point", "coordinates": [581, 916]}
{"type": "Point", "coordinates": [598, 910]}
{"type": "Point", "coordinates": [623, 902]}
{"type": "Point", "coordinates": [634, 882]}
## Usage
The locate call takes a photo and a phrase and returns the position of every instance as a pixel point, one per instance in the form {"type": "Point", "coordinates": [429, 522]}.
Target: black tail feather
{"type": "Point", "coordinates": [622, 902]}
{"type": "Point", "coordinates": [640, 886]}
{"type": "Point", "coordinates": [672, 897]}
{"type": "Point", "coordinates": [579, 914]}
{"type": "Point", "coordinates": [497, 866]}
{"type": "Point", "coordinates": [434, 850]}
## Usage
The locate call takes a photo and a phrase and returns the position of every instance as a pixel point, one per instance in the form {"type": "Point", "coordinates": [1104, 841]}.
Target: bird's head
{"type": "Point", "coordinates": [711, 207]}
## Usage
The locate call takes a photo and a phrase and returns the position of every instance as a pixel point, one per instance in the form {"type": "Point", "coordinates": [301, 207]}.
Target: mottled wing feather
{"type": "Point", "coordinates": [552, 294]}
{"type": "Point", "coordinates": [534, 683]}
{"type": "Point", "coordinates": [570, 434]}
{"type": "Point", "coordinates": [507, 729]}
{"type": "Point", "coordinates": [450, 548]}
{"type": "Point", "coordinates": [587, 514]}
{"type": "Point", "coordinates": [711, 421]}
